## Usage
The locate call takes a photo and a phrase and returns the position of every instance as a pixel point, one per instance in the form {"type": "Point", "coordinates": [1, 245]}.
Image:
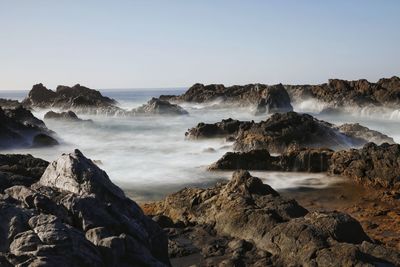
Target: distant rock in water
{"type": "Point", "coordinates": [156, 106]}
{"type": "Point", "coordinates": [64, 116]}
{"type": "Point", "coordinates": [9, 103]}
{"type": "Point", "coordinates": [19, 128]}
{"type": "Point", "coordinates": [71, 214]}
{"type": "Point", "coordinates": [283, 130]}
{"type": "Point", "coordinates": [340, 93]}
{"type": "Point", "coordinates": [253, 225]}
{"type": "Point", "coordinates": [77, 98]}
{"type": "Point", "coordinates": [266, 99]}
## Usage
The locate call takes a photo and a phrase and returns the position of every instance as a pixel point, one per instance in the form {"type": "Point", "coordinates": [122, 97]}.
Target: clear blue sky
{"type": "Point", "coordinates": [126, 44]}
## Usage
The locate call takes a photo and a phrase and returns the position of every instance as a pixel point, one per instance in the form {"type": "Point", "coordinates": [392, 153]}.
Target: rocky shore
{"type": "Point", "coordinates": [283, 130]}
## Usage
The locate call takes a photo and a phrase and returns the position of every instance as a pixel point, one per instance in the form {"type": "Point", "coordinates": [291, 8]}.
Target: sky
{"type": "Point", "coordinates": [161, 44]}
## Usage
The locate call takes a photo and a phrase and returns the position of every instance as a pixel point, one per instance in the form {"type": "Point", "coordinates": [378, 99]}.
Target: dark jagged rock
{"type": "Point", "coordinates": [272, 98]}
{"type": "Point", "coordinates": [225, 128]}
{"type": "Point", "coordinates": [9, 103]}
{"type": "Point", "coordinates": [386, 92]}
{"type": "Point", "coordinates": [373, 165]}
{"type": "Point", "coordinates": [283, 130]}
{"type": "Point", "coordinates": [19, 128]}
{"type": "Point", "coordinates": [77, 98]}
{"type": "Point", "coordinates": [157, 106]}
{"type": "Point", "coordinates": [64, 116]}
{"type": "Point", "coordinates": [270, 225]}
{"type": "Point", "coordinates": [299, 160]}
{"type": "Point", "coordinates": [73, 207]}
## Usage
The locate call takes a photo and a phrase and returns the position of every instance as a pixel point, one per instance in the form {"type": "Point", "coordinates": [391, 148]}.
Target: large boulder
{"type": "Point", "coordinates": [156, 106]}
{"type": "Point", "coordinates": [77, 98]}
{"type": "Point", "coordinates": [253, 214]}
{"type": "Point", "coordinates": [275, 99]}
{"type": "Point", "coordinates": [19, 128]}
{"type": "Point", "coordinates": [75, 208]}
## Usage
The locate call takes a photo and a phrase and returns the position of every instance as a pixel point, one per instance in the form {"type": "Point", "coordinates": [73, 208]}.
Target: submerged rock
{"type": "Point", "coordinates": [77, 98]}
{"type": "Point", "coordinates": [73, 207]}
{"type": "Point", "coordinates": [251, 216]}
{"type": "Point", "coordinates": [19, 128]}
{"type": "Point", "coordinates": [157, 106]}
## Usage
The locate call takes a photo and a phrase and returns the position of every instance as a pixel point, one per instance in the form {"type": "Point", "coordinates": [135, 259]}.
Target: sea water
{"type": "Point", "coordinates": [149, 157]}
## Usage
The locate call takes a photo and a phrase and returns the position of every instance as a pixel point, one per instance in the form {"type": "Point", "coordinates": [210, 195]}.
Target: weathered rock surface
{"type": "Point", "coordinates": [71, 214]}
{"type": "Point", "coordinates": [283, 130]}
{"type": "Point", "coordinates": [19, 128]}
{"type": "Point", "coordinates": [351, 93]}
{"type": "Point", "coordinates": [77, 98]}
{"type": "Point", "coordinates": [156, 106]}
{"type": "Point", "coordinates": [298, 160]}
{"type": "Point", "coordinates": [373, 165]}
{"type": "Point", "coordinates": [64, 116]}
{"type": "Point", "coordinates": [273, 98]}
{"type": "Point", "coordinates": [245, 212]}
{"type": "Point", "coordinates": [9, 103]}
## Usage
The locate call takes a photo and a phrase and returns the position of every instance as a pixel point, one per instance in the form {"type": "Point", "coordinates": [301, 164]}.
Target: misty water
{"type": "Point", "coordinates": [149, 157]}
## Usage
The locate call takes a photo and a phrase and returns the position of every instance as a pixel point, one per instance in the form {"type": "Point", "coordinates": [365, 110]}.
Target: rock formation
{"type": "Point", "coordinates": [9, 103]}
{"type": "Point", "coordinates": [19, 128]}
{"type": "Point", "coordinates": [250, 216]}
{"type": "Point", "coordinates": [77, 98]}
{"type": "Point", "coordinates": [338, 93]}
{"type": "Point", "coordinates": [266, 98]}
{"type": "Point", "coordinates": [297, 160]}
{"type": "Point", "coordinates": [64, 116]}
{"type": "Point", "coordinates": [283, 130]}
{"type": "Point", "coordinates": [157, 106]}
{"type": "Point", "coordinates": [71, 214]}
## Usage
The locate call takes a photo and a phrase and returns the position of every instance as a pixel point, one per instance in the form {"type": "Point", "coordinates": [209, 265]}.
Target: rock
{"type": "Point", "coordinates": [284, 130]}
{"type": "Point", "coordinates": [279, 229]}
{"type": "Point", "coordinates": [74, 207]}
{"type": "Point", "coordinates": [159, 107]}
{"type": "Point", "coordinates": [9, 103]}
{"type": "Point", "coordinates": [303, 160]}
{"type": "Point", "coordinates": [64, 116]}
{"type": "Point", "coordinates": [225, 128]}
{"type": "Point", "coordinates": [359, 93]}
{"type": "Point", "coordinates": [373, 165]}
{"type": "Point", "coordinates": [19, 128]}
{"type": "Point", "coordinates": [358, 131]}
{"type": "Point", "coordinates": [271, 99]}
{"type": "Point", "coordinates": [77, 98]}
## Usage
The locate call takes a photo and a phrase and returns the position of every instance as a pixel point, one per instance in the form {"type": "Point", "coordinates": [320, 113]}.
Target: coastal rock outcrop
{"type": "Point", "coordinates": [19, 128]}
{"type": "Point", "coordinates": [156, 106]}
{"type": "Point", "coordinates": [9, 103]}
{"type": "Point", "coordinates": [77, 98]}
{"type": "Point", "coordinates": [297, 160]}
{"type": "Point", "coordinates": [71, 214]}
{"type": "Point", "coordinates": [361, 93]}
{"type": "Point", "coordinates": [64, 116]}
{"type": "Point", "coordinates": [373, 165]}
{"type": "Point", "coordinates": [283, 130]}
{"type": "Point", "coordinates": [252, 216]}
{"type": "Point", "coordinates": [266, 99]}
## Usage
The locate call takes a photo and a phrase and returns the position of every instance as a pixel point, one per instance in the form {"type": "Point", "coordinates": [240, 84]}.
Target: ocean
{"type": "Point", "coordinates": [149, 157]}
